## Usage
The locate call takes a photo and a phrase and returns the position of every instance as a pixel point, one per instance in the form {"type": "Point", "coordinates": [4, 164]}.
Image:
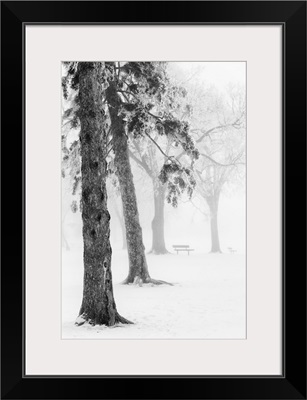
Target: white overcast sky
{"type": "Point", "coordinates": [218, 74]}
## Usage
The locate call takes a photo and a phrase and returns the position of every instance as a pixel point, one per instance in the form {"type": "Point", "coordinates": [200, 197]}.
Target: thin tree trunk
{"type": "Point", "coordinates": [138, 269]}
{"type": "Point", "coordinates": [213, 203]}
{"type": "Point", "coordinates": [98, 305]}
{"type": "Point", "coordinates": [64, 240]}
{"type": "Point", "coordinates": [122, 225]}
{"type": "Point", "coordinates": [124, 236]}
{"type": "Point", "coordinates": [157, 225]}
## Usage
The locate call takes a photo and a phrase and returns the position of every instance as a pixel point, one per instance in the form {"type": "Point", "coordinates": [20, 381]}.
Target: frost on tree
{"type": "Point", "coordinates": [141, 105]}
{"type": "Point", "coordinates": [139, 101]}
{"type": "Point", "coordinates": [98, 305]}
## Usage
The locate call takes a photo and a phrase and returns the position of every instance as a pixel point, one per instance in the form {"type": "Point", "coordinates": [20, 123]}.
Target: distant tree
{"type": "Point", "coordinates": [120, 217]}
{"type": "Point", "coordinates": [116, 203]}
{"type": "Point", "coordinates": [219, 129]}
{"type": "Point", "coordinates": [98, 304]}
{"type": "Point", "coordinates": [148, 158]}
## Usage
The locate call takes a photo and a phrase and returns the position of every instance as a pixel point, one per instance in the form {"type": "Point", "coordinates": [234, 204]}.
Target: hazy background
{"type": "Point", "coordinates": [208, 287]}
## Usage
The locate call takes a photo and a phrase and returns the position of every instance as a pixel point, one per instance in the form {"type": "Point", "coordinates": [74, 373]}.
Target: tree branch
{"type": "Point", "coordinates": [118, 72]}
{"type": "Point", "coordinates": [207, 133]}
{"type": "Point", "coordinates": [220, 164]}
{"type": "Point", "coordinates": [130, 94]}
{"type": "Point", "coordinates": [111, 148]}
{"type": "Point", "coordinates": [141, 163]}
{"type": "Point", "coordinates": [172, 158]}
{"type": "Point", "coordinates": [110, 141]}
{"type": "Point", "coordinates": [136, 145]}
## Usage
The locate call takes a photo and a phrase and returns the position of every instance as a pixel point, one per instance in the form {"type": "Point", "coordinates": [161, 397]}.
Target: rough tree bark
{"type": "Point", "coordinates": [138, 269]}
{"type": "Point", "coordinates": [98, 305]}
{"type": "Point", "coordinates": [157, 225]}
{"type": "Point", "coordinates": [213, 203]}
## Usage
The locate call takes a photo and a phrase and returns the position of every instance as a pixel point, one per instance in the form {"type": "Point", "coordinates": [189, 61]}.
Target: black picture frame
{"type": "Point", "coordinates": [292, 16]}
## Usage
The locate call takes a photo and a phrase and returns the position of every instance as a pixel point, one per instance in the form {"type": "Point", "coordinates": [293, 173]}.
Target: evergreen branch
{"type": "Point", "coordinates": [130, 93]}
{"type": "Point", "coordinates": [138, 101]}
{"type": "Point", "coordinates": [152, 115]}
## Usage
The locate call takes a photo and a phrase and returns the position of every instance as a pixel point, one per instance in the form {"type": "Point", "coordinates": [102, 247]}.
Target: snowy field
{"type": "Point", "coordinates": [206, 301]}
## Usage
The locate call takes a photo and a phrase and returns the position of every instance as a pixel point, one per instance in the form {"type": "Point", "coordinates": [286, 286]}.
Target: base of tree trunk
{"type": "Point", "coordinates": [159, 252]}
{"type": "Point", "coordinates": [216, 251]}
{"type": "Point", "coordinates": [118, 320]}
{"type": "Point", "coordinates": [121, 320]}
{"type": "Point", "coordinates": [140, 282]}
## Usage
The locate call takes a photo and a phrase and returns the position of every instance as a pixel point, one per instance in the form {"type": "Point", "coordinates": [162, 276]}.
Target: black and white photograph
{"type": "Point", "coordinates": [153, 203]}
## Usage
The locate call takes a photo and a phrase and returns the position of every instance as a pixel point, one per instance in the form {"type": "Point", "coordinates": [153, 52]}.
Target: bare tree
{"type": "Point", "coordinates": [221, 141]}
{"type": "Point", "coordinates": [150, 160]}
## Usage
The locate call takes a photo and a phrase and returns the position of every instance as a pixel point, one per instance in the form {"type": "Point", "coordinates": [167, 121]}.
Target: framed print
{"type": "Point", "coordinates": [163, 151]}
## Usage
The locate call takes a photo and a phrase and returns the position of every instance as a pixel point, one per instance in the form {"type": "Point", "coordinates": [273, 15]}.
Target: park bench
{"type": "Point", "coordinates": [182, 247]}
{"type": "Point", "coordinates": [231, 250]}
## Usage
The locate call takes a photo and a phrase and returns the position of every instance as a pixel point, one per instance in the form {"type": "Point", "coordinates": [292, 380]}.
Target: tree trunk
{"type": "Point", "coordinates": [122, 225]}
{"type": "Point", "coordinates": [213, 203]}
{"type": "Point", "coordinates": [64, 240]}
{"type": "Point", "coordinates": [157, 225]}
{"type": "Point", "coordinates": [124, 236]}
{"type": "Point", "coordinates": [138, 270]}
{"type": "Point", "coordinates": [98, 305]}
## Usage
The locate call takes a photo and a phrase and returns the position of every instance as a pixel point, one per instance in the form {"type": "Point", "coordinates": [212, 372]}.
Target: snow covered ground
{"type": "Point", "coordinates": [206, 301]}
